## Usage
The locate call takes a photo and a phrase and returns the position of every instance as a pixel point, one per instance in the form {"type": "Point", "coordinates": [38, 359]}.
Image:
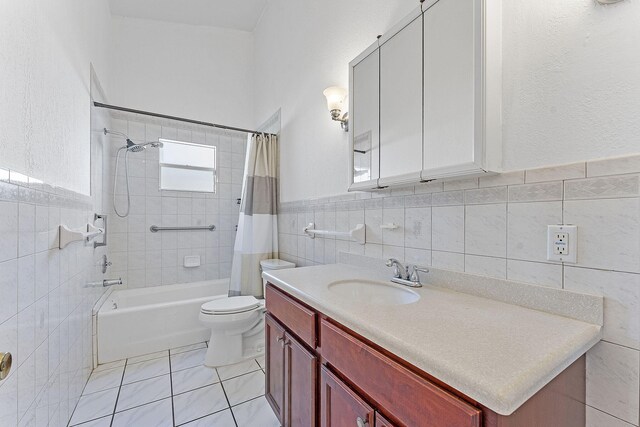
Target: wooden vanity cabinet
{"type": "Point", "coordinates": [341, 406]}
{"type": "Point", "coordinates": [407, 397]}
{"type": "Point", "coordinates": [301, 379]}
{"type": "Point", "coordinates": [383, 422]}
{"type": "Point", "coordinates": [274, 360]}
{"type": "Point", "coordinates": [319, 373]}
{"type": "Point", "coordinates": [291, 377]}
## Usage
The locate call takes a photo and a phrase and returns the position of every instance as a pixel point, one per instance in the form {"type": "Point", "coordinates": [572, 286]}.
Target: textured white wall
{"type": "Point", "coordinates": [45, 57]}
{"type": "Point", "coordinates": [300, 49]}
{"type": "Point", "coordinates": [202, 73]}
{"type": "Point", "coordinates": [571, 88]}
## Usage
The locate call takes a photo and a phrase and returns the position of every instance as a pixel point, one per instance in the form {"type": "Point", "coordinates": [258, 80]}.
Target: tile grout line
{"type": "Point", "coordinates": [173, 410]}
{"type": "Point", "coordinates": [204, 416]}
{"type": "Point", "coordinates": [611, 415]}
{"type": "Point", "coordinates": [113, 415]}
{"type": "Point", "coordinates": [227, 398]}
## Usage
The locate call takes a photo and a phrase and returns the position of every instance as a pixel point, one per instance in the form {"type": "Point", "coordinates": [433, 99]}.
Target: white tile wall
{"type": "Point", "coordinates": [45, 309]}
{"type": "Point", "coordinates": [496, 226]}
{"type": "Point", "coordinates": [143, 258]}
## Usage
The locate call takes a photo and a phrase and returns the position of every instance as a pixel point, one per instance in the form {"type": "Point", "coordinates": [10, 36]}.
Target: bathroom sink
{"type": "Point", "coordinates": [373, 292]}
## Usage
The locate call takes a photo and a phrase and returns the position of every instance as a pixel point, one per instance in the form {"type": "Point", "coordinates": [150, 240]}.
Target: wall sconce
{"type": "Point", "coordinates": [335, 98]}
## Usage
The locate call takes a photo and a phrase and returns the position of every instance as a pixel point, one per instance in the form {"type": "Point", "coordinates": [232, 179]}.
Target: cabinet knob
{"type": "Point", "coordinates": [281, 341]}
{"type": "Point", "coordinates": [360, 422]}
{"type": "Point", "coordinates": [5, 365]}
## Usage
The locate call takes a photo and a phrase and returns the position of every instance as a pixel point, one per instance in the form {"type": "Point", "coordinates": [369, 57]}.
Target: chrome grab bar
{"type": "Point", "coordinates": [104, 283]}
{"type": "Point", "coordinates": [155, 228]}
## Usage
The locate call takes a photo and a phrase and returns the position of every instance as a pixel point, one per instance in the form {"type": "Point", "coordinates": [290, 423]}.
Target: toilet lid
{"type": "Point", "coordinates": [230, 305]}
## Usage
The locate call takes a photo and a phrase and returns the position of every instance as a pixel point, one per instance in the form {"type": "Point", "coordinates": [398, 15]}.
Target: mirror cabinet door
{"type": "Point", "coordinates": [401, 105]}
{"type": "Point", "coordinates": [449, 85]}
{"type": "Point", "coordinates": [365, 120]}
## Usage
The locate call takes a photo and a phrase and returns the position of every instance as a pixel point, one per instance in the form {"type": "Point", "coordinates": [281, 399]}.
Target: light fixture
{"type": "Point", "coordinates": [335, 98]}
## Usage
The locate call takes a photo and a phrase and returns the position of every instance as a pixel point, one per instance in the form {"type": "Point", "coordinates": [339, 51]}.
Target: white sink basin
{"type": "Point", "coordinates": [372, 292]}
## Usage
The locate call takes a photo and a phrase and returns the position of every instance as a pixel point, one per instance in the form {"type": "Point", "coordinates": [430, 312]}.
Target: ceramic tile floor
{"type": "Point", "coordinates": [174, 388]}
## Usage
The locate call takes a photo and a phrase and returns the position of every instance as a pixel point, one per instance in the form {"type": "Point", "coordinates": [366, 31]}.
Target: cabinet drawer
{"type": "Point", "coordinates": [297, 318]}
{"type": "Point", "coordinates": [404, 396]}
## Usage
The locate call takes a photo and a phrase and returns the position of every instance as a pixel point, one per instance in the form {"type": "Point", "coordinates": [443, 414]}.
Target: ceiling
{"type": "Point", "coordinates": [239, 15]}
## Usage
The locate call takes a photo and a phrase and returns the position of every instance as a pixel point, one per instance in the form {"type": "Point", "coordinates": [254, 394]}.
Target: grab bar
{"type": "Point", "coordinates": [358, 233]}
{"type": "Point", "coordinates": [105, 283]}
{"type": "Point", "coordinates": [155, 228]}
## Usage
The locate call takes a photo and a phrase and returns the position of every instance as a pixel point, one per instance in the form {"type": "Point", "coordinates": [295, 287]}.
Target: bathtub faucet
{"type": "Point", "coordinates": [105, 283]}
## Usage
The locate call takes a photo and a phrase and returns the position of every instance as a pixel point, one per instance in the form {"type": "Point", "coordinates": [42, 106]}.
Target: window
{"type": "Point", "coordinates": [187, 167]}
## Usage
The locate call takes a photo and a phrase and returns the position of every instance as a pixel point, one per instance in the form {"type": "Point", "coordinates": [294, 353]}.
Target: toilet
{"type": "Point", "coordinates": [237, 324]}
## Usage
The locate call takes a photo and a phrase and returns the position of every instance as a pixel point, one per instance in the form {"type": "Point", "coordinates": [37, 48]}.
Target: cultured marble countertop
{"type": "Point", "coordinates": [497, 353]}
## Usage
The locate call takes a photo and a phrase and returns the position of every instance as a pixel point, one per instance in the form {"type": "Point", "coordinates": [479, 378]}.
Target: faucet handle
{"type": "Point", "coordinates": [415, 277]}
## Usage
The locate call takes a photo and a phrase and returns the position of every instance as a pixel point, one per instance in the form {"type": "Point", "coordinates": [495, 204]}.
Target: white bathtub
{"type": "Point", "coordinates": [139, 321]}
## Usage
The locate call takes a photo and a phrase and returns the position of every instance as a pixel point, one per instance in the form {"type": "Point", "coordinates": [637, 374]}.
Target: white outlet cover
{"type": "Point", "coordinates": [568, 242]}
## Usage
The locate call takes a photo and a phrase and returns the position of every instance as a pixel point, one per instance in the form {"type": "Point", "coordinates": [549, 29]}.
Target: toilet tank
{"type": "Point", "coordinates": [273, 264]}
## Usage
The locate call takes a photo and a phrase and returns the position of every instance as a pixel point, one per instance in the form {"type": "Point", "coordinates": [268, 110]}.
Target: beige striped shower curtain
{"type": "Point", "coordinates": [257, 236]}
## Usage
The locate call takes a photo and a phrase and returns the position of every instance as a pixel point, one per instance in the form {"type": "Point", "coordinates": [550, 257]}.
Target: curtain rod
{"type": "Point", "coordinates": [180, 119]}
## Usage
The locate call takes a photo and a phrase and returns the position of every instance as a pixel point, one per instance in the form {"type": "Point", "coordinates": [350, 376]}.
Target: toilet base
{"type": "Point", "coordinates": [227, 349]}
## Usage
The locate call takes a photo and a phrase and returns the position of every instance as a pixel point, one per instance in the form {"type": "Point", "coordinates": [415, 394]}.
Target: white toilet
{"type": "Point", "coordinates": [237, 324]}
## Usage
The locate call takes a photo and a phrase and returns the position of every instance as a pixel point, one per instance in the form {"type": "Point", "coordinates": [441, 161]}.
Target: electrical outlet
{"type": "Point", "coordinates": [562, 243]}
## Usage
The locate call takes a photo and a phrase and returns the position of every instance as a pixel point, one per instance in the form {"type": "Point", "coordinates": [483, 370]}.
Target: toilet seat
{"type": "Point", "coordinates": [230, 305]}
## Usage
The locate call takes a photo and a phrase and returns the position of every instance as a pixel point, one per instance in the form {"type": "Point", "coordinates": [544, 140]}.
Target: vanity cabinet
{"type": "Point", "coordinates": [427, 402]}
{"type": "Point", "coordinates": [301, 373]}
{"type": "Point", "coordinates": [334, 377]}
{"type": "Point", "coordinates": [438, 87]}
{"type": "Point", "coordinates": [274, 359]}
{"type": "Point", "coordinates": [290, 376]}
{"type": "Point", "coordinates": [340, 405]}
{"type": "Point", "coordinates": [383, 422]}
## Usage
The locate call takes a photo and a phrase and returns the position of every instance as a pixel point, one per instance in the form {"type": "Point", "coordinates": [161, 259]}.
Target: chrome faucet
{"type": "Point", "coordinates": [399, 271]}
{"type": "Point", "coordinates": [402, 276]}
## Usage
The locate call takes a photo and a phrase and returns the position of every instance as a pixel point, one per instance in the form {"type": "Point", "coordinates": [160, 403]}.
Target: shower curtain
{"type": "Point", "coordinates": [257, 236]}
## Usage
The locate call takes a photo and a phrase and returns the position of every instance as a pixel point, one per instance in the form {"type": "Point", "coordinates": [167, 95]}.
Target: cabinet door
{"type": "Point", "coordinates": [401, 105]}
{"type": "Point", "coordinates": [301, 382]}
{"type": "Point", "coordinates": [340, 406]}
{"type": "Point", "coordinates": [452, 89]}
{"type": "Point", "coordinates": [274, 358]}
{"type": "Point", "coordinates": [382, 421]}
{"type": "Point", "coordinates": [365, 119]}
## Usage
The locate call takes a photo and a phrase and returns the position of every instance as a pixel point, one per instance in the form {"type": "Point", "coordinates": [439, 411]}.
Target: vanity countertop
{"type": "Point", "coordinates": [497, 353]}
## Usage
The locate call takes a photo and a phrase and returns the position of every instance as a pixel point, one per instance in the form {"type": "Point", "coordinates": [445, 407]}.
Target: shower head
{"type": "Point", "coordinates": [132, 146]}
{"type": "Point", "coordinates": [136, 148]}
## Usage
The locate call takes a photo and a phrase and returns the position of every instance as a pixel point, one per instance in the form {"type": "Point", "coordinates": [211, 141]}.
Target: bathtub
{"type": "Point", "coordinates": [139, 321]}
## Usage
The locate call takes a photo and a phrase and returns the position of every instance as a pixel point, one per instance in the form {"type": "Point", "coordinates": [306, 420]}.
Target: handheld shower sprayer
{"type": "Point", "coordinates": [130, 147]}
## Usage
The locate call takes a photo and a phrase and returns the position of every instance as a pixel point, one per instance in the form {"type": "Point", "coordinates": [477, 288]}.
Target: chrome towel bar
{"type": "Point", "coordinates": [155, 228]}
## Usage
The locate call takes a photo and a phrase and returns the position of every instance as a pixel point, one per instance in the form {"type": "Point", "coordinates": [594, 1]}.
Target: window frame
{"type": "Point", "coordinates": [213, 169]}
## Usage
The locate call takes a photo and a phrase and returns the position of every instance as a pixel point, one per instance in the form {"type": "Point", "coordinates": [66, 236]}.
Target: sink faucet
{"type": "Point", "coordinates": [402, 276]}
{"type": "Point", "coordinates": [399, 271]}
